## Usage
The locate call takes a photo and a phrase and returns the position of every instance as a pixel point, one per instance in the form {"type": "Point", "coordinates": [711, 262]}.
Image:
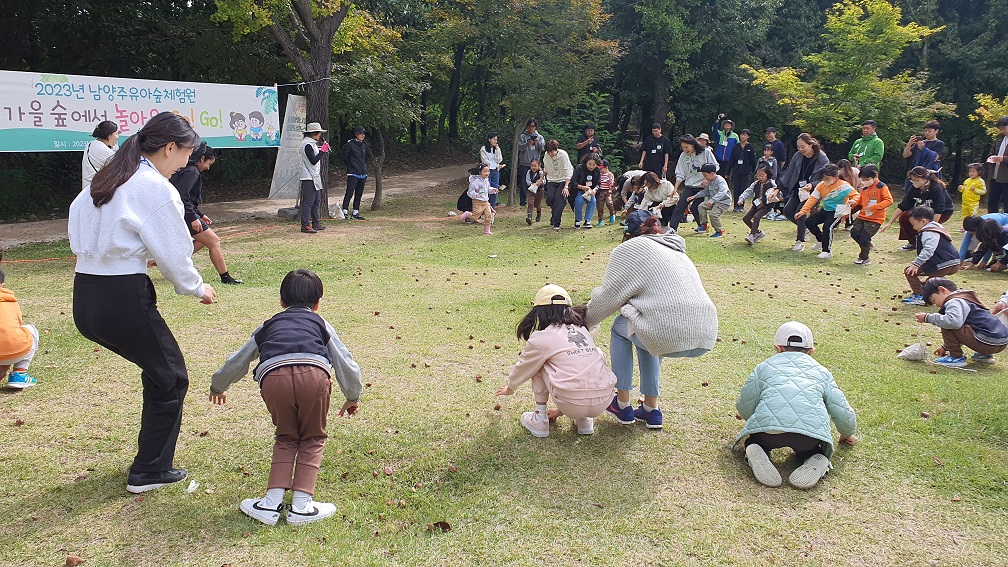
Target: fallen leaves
{"type": "Point", "coordinates": [73, 560]}
{"type": "Point", "coordinates": [441, 526]}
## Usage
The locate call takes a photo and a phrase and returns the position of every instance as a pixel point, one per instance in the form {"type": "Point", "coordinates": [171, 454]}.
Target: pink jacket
{"type": "Point", "coordinates": [574, 367]}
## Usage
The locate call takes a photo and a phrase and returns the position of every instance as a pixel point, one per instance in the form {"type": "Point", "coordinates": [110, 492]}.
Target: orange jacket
{"type": "Point", "coordinates": [879, 193]}
{"type": "Point", "coordinates": [15, 340]}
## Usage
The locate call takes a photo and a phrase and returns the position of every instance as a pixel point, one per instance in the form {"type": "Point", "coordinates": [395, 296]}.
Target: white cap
{"type": "Point", "coordinates": [313, 127]}
{"type": "Point", "coordinates": [794, 334]}
{"type": "Point", "coordinates": [545, 296]}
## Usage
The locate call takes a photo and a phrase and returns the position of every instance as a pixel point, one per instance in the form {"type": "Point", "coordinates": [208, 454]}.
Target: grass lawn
{"type": "Point", "coordinates": [428, 306]}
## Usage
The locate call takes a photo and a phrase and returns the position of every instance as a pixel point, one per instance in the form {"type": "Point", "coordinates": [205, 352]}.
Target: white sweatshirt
{"type": "Point", "coordinates": [142, 221]}
{"type": "Point", "coordinates": [96, 153]}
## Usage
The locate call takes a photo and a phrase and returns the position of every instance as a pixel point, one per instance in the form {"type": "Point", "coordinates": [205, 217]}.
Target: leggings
{"type": "Point", "coordinates": [824, 234]}
{"type": "Point", "coordinates": [679, 213]}
{"type": "Point", "coordinates": [753, 217]}
{"type": "Point", "coordinates": [793, 206]}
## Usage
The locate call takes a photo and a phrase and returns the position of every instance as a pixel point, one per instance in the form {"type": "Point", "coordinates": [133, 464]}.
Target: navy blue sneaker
{"type": "Point", "coordinates": [652, 419]}
{"type": "Point", "coordinates": [624, 416]}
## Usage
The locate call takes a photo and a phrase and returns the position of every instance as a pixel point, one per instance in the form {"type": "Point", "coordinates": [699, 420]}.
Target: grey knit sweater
{"type": "Point", "coordinates": [652, 283]}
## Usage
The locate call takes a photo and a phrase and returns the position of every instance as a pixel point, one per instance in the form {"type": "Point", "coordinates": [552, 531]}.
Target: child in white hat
{"type": "Point", "coordinates": [563, 363]}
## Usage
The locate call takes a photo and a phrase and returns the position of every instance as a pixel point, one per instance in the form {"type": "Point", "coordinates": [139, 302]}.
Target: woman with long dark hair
{"type": "Point", "coordinates": [129, 214]}
{"type": "Point", "coordinates": [490, 154]}
{"type": "Point", "coordinates": [927, 190]}
{"type": "Point", "coordinates": [99, 150]}
{"type": "Point", "coordinates": [799, 179]}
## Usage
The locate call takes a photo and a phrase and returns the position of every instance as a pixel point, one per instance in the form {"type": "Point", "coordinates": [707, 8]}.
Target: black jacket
{"type": "Point", "coordinates": [189, 183]}
{"type": "Point", "coordinates": [355, 157]}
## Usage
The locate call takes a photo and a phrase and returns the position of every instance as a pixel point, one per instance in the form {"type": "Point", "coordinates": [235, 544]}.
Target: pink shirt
{"type": "Point", "coordinates": [574, 367]}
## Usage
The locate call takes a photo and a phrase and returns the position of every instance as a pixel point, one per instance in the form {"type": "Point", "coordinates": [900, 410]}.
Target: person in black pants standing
{"type": "Point", "coordinates": [655, 152]}
{"type": "Point", "coordinates": [997, 189]}
{"type": "Point", "coordinates": [114, 302]}
{"type": "Point", "coordinates": [355, 157]}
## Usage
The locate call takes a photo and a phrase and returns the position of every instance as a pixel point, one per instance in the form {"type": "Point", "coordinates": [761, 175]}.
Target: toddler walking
{"type": "Point", "coordinates": [18, 342]}
{"type": "Point", "coordinates": [296, 349]}
{"type": "Point", "coordinates": [535, 183]}
{"type": "Point", "coordinates": [873, 200]}
{"type": "Point", "coordinates": [563, 363]}
{"type": "Point", "coordinates": [788, 401]}
{"type": "Point", "coordinates": [972, 189]}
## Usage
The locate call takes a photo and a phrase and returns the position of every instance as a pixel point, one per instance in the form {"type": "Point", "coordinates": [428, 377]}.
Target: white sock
{"type": "Point", "coordinates": [356, 212]}
{"type": "Point", "coordinates": [622, 404]}
{"type": "Point", "coordinates": [541, 408]}
{"type": "Point", "coordinates": [648, 408]}
{"type": "Point", "coordinates": [273, 499]}
{"type": "Point", "coordinates": [301, 501]}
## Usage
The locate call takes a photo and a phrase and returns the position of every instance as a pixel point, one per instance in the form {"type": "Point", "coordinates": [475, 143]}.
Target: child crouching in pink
{"type": "Point", "coordinates": [561, 359]}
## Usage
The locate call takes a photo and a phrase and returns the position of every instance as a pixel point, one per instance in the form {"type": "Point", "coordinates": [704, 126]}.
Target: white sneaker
{"type": "Point", "coordinates": [750, 238]}
{"type": "Point", "coordinates": [798, 246]}
{"type": "Point", "coordinates": [536, 423]}
{"type": "Point", "coordinates": [585, 425]}
{"type": "Point", "coordinates": [764, 470]}
{"type": "Point", "coordinates": [314, 512]}
{"type": "Point", "coordinates": [268, 516]}
{"type": "Point", "coordinates": [817, 247]}
{"type": "Point", "coordinates": [825, 255]}
{"type": "Point", "coordinates": [807, 475]}
{"type": "Point", "coordinates": [759, 236]}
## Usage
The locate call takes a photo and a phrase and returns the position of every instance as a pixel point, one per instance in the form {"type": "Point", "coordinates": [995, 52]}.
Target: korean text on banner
{"type": "Point", "coordinates": [287, 174]}
{"type": "Point", "coordinates": [48, 112]}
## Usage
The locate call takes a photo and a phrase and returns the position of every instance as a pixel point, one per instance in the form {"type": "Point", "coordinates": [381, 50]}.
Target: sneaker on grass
{"type": "Point", "coordinates": [817, 247]}
{"type": "Point", "coordinates": [144, 482]}
{"type": "Point", "coordinates": [798, 246]}
{"type": "Point", "coordinates": [951, 361]}
{"type": "Point", "coordinates": [536, 423]}
{"type": "Point", "coordinates": [915, 299]}
{"type": "Point", "coordinates": [20, 380]}
{"type": "Point", "coordinates": [982, 358]}
{"type": "Point", "coordinates": [908, 246]}
{"type": "Point", "coordinates": [622, 415]}
{"type": "Point", "coordinates": [861, 262]}
{"type": "Point", "coordinates": [268, 516]}
{"type": "Point", "coordinates": [585, 425]}
{"type": "Point", "coordinates": [313, 512]}
{"type": "Point", "coordinates": [809, 473]}
{"type": "Point", "coordinates": [652, 419]}
{"type": "Point", "coordinates": [764, 470]}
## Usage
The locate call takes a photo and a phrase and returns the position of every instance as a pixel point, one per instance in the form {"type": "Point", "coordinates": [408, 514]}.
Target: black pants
{"type": "Point", "coordinates": [311, 201]}
{"type": "Point", "coordinates": [825, 234]}
{"type": "Point", "coordinates": [803, 445]}
{"type": "Point", "coordinates": [793, 206]}
{"type": "Point", "coordinates": [522, 188]}
{"type": "Point", "coordinates": [754, 216]}
{"type": "Point", "coordinates": [862, 232]}
{"type": "Point", "coordinates": [556, 201]}
{"type": "Point", "coordinates": [120, 313]}
{"type": "Point", "coordinates": [996, 194]}
{"type": "Point", "coordinates": [354, 187]}
{"type": "Point", "coordinates": [679, 213]}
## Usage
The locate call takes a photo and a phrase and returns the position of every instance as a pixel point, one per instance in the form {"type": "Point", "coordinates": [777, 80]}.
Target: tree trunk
{"type": "Point", "coordinates": [318, 111]}
{"type": "Point", "coordinates": [617, 107]}
{"type": "Point", "coordinates": [627, 114]}
{"type": "Point", "coordinates": [513, 185]}
{"type": "Point", "coordinates": [451, 104]}
{"type": "Point", "coordinates": [661, 95]}
{"type": "Point", "coordinates": [423, 116]}
{"type": "Point", "coordinates": [379, 162]}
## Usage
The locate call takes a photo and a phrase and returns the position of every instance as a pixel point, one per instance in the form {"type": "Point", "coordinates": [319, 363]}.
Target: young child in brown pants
{"type": "Point", "coordinates": [296, 349]}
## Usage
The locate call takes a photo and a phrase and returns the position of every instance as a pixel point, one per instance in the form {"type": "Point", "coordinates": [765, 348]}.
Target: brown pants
{"type": "Point", "coordinates": [917, 285]}
{"type": "Point", "coordinates": [297, 398]}
{"type": "Point", "coordinates": [482, 209]}
{"type": "Point", "coordinates": [907, 231]}
{"type": "Point", "coordinates": [954, 340]}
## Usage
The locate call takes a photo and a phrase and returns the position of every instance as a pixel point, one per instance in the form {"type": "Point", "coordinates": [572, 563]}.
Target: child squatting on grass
{"type": "Point", "coordinates": [18, 342]}
{"type": "Point", "coordinates": [936, 255]}
{"type": "Point", "coordinates": [788, 401]}
{"type": "Point", "coordinates": [563, 363]}
{"type": "Point", "coordinates": [296, 349]}
{"type": "Point", "coordinates": [964, 321]}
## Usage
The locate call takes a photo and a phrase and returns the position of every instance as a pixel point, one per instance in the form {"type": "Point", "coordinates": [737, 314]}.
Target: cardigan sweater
{"type": "Point", "coordinates": [652, 282]}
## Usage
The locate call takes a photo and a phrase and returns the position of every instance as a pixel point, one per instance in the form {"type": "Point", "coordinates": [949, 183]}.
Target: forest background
{"type": "Point", "coordinates": [429, 78]}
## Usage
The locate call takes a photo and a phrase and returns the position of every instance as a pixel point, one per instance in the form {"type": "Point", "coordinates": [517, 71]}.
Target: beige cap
{"type": "Point", "coordinates": [545, 296]}
{"type": "Point", "coordinates": [794, 334]}
{"type": "Point", "coordinates": [313, 127]}
{"type": "Point", "coordinates": [703, 136]}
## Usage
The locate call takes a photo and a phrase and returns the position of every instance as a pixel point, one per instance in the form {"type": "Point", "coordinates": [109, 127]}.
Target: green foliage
{"type": "Point", "coordinates": [852, 80]}
{"type": "Point", "coordinates": [592, 108]}
{"type": "Point", "coordinates": [989, 111]}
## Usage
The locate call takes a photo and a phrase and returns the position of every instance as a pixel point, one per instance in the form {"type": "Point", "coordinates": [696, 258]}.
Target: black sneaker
{"type": "Point", "coordinates": [143, 482]}
{"type": "Point", "coordinates": [528, 219]}
{"type": "Point", "coordinates": [538, 216]}
{"type": "Point", "coordinates": [228, 279]}
{"type": "Point", "coordinates": [908, 246]}
{"type": "Point", "coordinates": [357, 216]}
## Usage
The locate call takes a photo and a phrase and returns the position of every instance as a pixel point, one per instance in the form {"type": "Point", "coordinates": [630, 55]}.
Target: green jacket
{"type": "Point", "coordinates": [792, 393]}
{"type": "Point", "coordinates": [866, 150]}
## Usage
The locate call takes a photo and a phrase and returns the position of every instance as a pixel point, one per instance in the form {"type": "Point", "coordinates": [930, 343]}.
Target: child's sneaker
{"type": "Point", "coordinates": [982, 358]}
{"type": "Point", "coordinates": [612, 219]}
{"type": "Point", "coordinates": [268, 516]}
{"type": "Point", "coordinates": [916, 299]}
{"type": "Point", "coordinates": [652, 419]}
{"type": "Point", "coordinates": [536, 423]}
{"type": "Point", "coordinates": [759, 236]}
{"type": "Point", "coordinates": [764, 470]}
{"type": "Point", "coordinates": [908, 246]}
{"type": "Point", "coordinates": [861, 262]}
{"type": "Point", "coordinates": [817, 247]}
{"type": "Point", "coordinates": [600, 224]}
{"type": "Point", "coordinates": [587, 224]}
{"type": "Point", "coordinates": [625, 415]}
{"type": "Point", "coordinates": [825, 255]}
{"type": "Point", "coordinates": [585, 425]}
{"type": "Point", "coordinates": [313, 512]}
{"type": "Point", "coordinates": [809, 473]}
{"type": "Point", "coordinates": [798, 246]}
{"type": "Point", "coordinates": [750, 239]}
{"type": "Point", "coordinates": [951, 361]}
{"type": "Point", "coordinates": [20, 380]}
{"type": "Point", "coordinates": [702, 229]}
{"type": "Point", "coordinates": [717, 234]}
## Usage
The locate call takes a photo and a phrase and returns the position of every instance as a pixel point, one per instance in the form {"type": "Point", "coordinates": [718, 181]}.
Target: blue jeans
{"type": "Point", "coordinates": [579, 202]}
{"type": "Point", "coordinates": [494, 180]}
{"type": "Point", "coordinates": [621, 347]}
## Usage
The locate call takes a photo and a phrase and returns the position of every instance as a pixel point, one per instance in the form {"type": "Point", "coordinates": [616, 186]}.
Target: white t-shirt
{"type": "Point", "coordinates": [96, 153]}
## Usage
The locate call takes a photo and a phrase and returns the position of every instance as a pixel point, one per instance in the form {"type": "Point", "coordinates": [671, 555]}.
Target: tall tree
{"type": "Point", "coordinates": [304, 30]}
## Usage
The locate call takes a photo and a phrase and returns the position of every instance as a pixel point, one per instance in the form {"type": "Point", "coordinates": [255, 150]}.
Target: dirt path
{"type": "Point", "coordinates": [17, 234]}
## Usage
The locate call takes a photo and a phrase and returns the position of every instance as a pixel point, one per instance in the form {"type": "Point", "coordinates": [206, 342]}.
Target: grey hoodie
{"type": "Point", "coordinates": [650, 281]}
{"type": "Point", "coordinates": [528, 153]}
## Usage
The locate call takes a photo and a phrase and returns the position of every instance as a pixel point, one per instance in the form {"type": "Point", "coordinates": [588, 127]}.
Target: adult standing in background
{"type": "Point", "coordinates": [655, 151]}
{"type": "Point", "coordinates": [99, 150]}
{"type": "Point", "coordinates": [928, 139]}
{"type": "Point", "coordinates": [311, 177]}
{"type": "Point", "coordinates": [779, 151]}
{"type": "Point", "coordinates": [725, 139]}
{"type": "Point", "coordinates": [531, 146]}
{"type": "Point", "coordinates": [558, 171]}
{"type": "Point", "coordinates": [355, 158]}
{"type": "Point", "coordinates": [490, 154]}
{"type": "Point", "coordinates": [740, 166]}
{"type": "Point", "coordinates": [869, 148]}
{"type": "Point", "coordinates": [997, 189]}
{"type": "Point", "coordinates": [131, 213]}
{"type": "Point", "coordinates": [799, 179]}
{"type": "Point", "coordinates": [688, 179]}
{"type": "Point", "coordinates": [587, 144]}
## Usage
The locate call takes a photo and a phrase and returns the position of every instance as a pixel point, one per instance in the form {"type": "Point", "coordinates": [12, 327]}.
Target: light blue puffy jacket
{"type": "Point", "coordinates": [792, 393]}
